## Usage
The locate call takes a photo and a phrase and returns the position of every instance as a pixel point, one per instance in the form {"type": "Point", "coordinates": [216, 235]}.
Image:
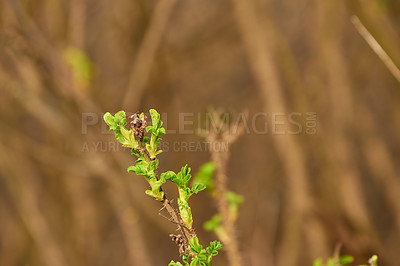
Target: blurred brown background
{"type": "Point", "coordinates": [65, 196]}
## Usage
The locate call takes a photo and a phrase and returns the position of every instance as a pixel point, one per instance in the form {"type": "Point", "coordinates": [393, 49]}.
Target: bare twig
{"type": "Point", "coordinates": [376, 47]}
{"type": "Point", "coordinates": [128, 220]}
{"type": "Point", "coordinates": [350, 179]}
{"type": "Point", "coordinates": [381, 163]}
{"type": "Point", "coordinates": [186, 232]}
{"type": "Point", "coordinates": [257, 41]}
{"type": "Point", "coordinates": [26, 190]}
{"type": "Point", "coordinates": [77, 23]}
{"type": "Point", "coordinates": [227, 135]}
{"type": "Point", "coordinates": [141, 67]}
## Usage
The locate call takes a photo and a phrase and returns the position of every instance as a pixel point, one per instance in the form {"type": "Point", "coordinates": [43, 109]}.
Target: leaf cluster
{"type": "Point", "coordinates": [148, 170]}
{"type": "Point", "coordinates": [155, 130]}
{"type": "Point", "coordinates": [145, 148]}
{"type": "Point", "coordinates": [204, 176]}
{"type": "Point", "coordinates": [344, 260]}
{"type": "Point", "coordinates": [202, 257]}
{"type": "Point", "coordinates": [117, 124]}
{"type": "Point", "coordinates": [80, 64]}
{"type": "Point", "coordinates": [144, 166]}
{"type": "Point", "coordinates": [181, 180]}
{"type": "Point", "coordinates": [214, 224]}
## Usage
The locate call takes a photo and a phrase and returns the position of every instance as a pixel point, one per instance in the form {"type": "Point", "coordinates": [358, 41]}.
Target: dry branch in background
{"type": "Point", "coordinates": [349, 186]}
{"type": "Point", "coordinates": [60, 124]}
{"type": "Point", "coordinates": [227, 136]}
{"type": "Point", "coordinates": [303, 56]}
{"type": "Point", "coordinates": [26, 193]}
{"type": "Point", "coordinates": [144, 60]}
{"type": "Point", "coordinates": [376, 47]}
{"type": "Point", "coordinates": [299, 214]}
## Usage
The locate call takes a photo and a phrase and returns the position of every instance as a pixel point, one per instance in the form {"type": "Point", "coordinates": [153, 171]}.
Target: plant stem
{"type": "Point", "coordinates": [220, 158]}
{"type": "Point", "coordinates": [186, 232]}
{"type": "Point", "coordinates": [230, 241]}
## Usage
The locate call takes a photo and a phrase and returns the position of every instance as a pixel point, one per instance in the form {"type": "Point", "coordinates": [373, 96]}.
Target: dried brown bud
{"type": "Point", "coordinates": [138, 125]}
{"type": "Point", "coordinates": [180, 241]}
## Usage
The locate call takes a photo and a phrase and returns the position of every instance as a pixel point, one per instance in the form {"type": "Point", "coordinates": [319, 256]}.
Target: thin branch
{"type": "Point", "coordinates": [27, 197]}
{"type": "Point", "coordinates": [77, 23]}
{"type": "Point", "coordinates": [141, 68]}
{"type": "Point", "coordinates": [186, 232]}
{"type": "Point", "coordinates": [227, 135]}
{"type": "Point", "coordinates": [376, 47]}
{"type": "Point", "coordinates": [257, 45]}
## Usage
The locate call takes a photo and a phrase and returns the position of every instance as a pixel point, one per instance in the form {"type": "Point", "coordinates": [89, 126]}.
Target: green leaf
{"type": "Point", "coordinates": [331, 262]}
{"type": "Point", "coordinates": [173, 263]}
{"type": "Point", "coordinates": [317, 262]}
{"type": "Point", "coordinates": [161, 131]}
{"type": "Point", "coordinates": [184, 176]}
{"type": "Point", "coordinates": [155, 130]}
{"type": "Point", "coordinates": [204, 175]}
{"type": "Point", "coordinates": [197, 188]}
{"type": "Point", "coordinates": [109, 119]}
{"type": "Point", "coordinates": [214, 247]}
{"type": "Point", "coordinates": [346, 259]}
{"type": "Point", "coordinates": [131, 169]}
{"type": "Point", "coordinates": [120, 118]}
{"type": "Point", "coordinates": [150, 129]}
{"type": "Point", "coordinates": [80, 64]}
{"type": "Point", "coordinates": [155, 118]}
{"type": "Point", "coordinates": [156, 188]}
{"type": "Point", "coordinates": [158, 195]}
{"type": "Point", "coordinates": [195, 247]}
{"type": "Point", "coordinates": [213, 223]}
{"type": "Point", "coordinates": [136, 153]}
{"type": "Point", "coordinates": [234, 198]}
{"type": "Point", "coordinates": [185, 213]}
{"type": "Point", "coordinates": [185, 258]}
{"type": "Point", "coordinates": [153, 165]}
{"type": "Point", "coordinates": [117, 124]}
{"type": "Point", "coordinates": [373, 260]}
{"type": "Point", "coordinates": [126, 137]}
{"type": "Point", "coordinates": [137, 169]}
{"type": "Point", "coordinates": [195, 262]}
{"type": "Point", "coordinates": [202, 256]}
{"type": "Point", "coordinates": [170, 175]}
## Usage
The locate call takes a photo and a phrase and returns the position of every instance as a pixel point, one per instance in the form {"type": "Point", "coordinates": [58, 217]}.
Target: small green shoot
{"type": "Point", "coordinates": [202, 257]}
{"type": "Point", "coordinates": [145, 148]}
